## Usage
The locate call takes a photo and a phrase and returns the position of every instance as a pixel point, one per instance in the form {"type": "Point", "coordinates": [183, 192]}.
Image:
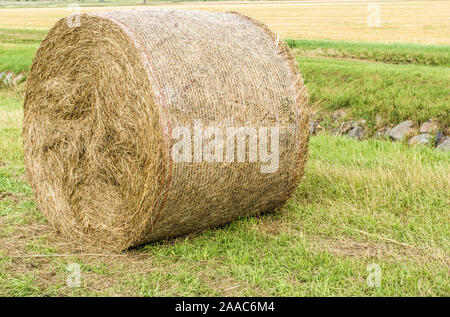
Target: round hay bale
{"type": "Point", "coordinates": [108, 101]}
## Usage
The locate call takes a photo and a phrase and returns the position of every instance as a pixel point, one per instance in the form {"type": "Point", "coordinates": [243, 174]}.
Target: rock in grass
{"type": "Point", "coordinates": [345, 127]}
{"type": "Point", "coordinates": [421, 139]}
{"type": "Point", "coordinates": [445, 144]}
{"type": "Point", "coordinates": [401, 131]}
{"type": "Point", "coordinates": [314, 127]}
{"type": "Point", "coordinates": [356, 133]}
{"type": "Point", "coordinates": [338, 114]}
{"type": "Point", "coordinates": [7, 81]}
{"type": "Point", "coordinates": [428, 127]}
{"type": "Point", "coordinates": [438, 138]}
{"type": "Point", "coordinates": [383, 133]}
{"type": "Point", "coordinates": [19, 78]}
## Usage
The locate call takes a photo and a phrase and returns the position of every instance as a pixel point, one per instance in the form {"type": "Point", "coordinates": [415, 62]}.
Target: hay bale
{"type": "Point", "coordinates": [103, 100]}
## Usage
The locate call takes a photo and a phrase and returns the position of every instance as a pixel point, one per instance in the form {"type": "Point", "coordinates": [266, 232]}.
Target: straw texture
{"type": "Point", "coordinates": [103, 99]}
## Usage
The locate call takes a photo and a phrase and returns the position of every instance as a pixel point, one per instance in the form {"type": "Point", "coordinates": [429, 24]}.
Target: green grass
{"type": "Point", "coordinates": [10, 123]}
{"type": "Point", "coordinates": [393, 81]}
{"type": "Point", "coordinates": [367, 89]}
{"type": "Point", "coordinates": [17, 48]}
{"type": "Point", "coordinates": [359, 203]}
{"type": "Point", "coordinates": [393, 53]}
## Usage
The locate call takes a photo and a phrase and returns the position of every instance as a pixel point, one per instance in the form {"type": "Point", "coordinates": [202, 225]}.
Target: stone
{"type": "Point", "coordinates": [347, 126]}
{"type": "Point", "coordinates": [8, 79]}
{"type": "Point", "coordinates": [19, 78]}
{"type": "Point", "coordinates": [401, 131]}
{"type": "Point", "coordinates": [383, 133]}
{"type": "Point", "coordinates": [421, 139]}
{"type": "Point", "coordinates": [338, 114]}
{"type": "Point", "coordinates": [444, 145]}
{"type": "Point", "coordinates": [429, 127]}
{"type": "Point", "coordinates": [379, 135]}
{"type": "Point", "coordinates": [312, 128]}
{"type": "Point", "coordinates": [356, 133]}
{"type": "Point", "coordinates": [438, 138]}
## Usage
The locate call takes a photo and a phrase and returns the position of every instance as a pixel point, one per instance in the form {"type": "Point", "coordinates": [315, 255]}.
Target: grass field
{"type": "Point", "coordinates": [360, 203]}
{"type": "Point", "coordinates": [393, 92]}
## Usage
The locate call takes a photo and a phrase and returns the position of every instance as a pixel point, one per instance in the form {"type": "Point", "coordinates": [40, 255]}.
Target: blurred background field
{"type": "Point", "coordinates": [424, 22]}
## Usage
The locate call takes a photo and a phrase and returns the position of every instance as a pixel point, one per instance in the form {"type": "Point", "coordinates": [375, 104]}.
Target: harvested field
{"type": "Point", "coordinates": [423, 22]}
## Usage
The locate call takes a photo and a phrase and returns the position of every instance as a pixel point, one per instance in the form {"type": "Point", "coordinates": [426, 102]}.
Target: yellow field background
{"type": "Point", "coordinates": [426, 22]}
